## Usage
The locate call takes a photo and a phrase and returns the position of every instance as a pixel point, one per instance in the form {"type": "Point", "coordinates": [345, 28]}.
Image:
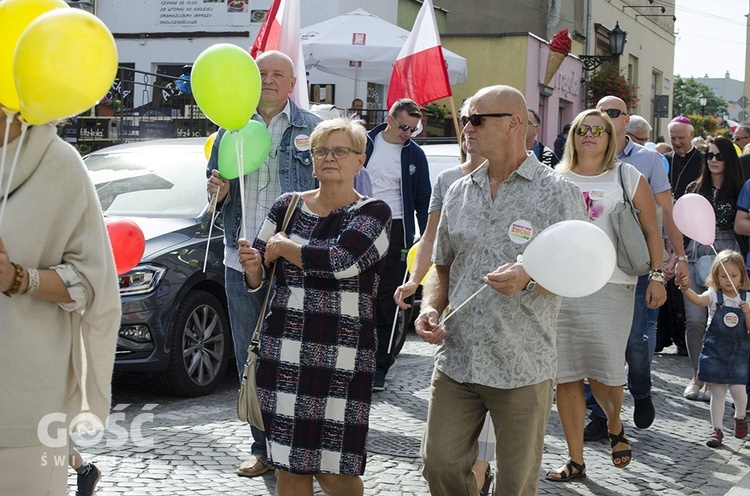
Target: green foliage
{"type": "Point", "coordinates": [437, 111]}
{"type": "Point", "coordinates": [686, 98]}
{"type": "Point", "coordinates": [704, 124]}
{"type": "Point", "coordinates": [608, 80]}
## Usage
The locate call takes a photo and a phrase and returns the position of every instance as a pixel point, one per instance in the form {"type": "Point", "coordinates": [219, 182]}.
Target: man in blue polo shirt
{"type": "Point", "coordinates": [642, 340]}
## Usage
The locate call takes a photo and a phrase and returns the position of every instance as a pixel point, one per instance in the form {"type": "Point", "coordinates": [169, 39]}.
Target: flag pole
{"type": "Point", "coordinates": [455, 120]}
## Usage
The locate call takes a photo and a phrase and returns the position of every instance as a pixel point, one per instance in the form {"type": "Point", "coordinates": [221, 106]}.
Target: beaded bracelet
{"type": "Point", "coordinates": [33, 281]}
{"type": "Point", "coordinates": [16, 281]}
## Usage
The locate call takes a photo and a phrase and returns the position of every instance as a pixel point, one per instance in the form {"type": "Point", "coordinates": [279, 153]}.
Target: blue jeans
{"type": "Point", "coordinates": [639, 352]}
{"type": "Point", "coordinates": [244, 308]}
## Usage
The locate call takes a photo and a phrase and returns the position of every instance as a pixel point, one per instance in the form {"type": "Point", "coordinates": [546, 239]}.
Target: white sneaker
{"type": "Point", "coordinates": [692, 391]}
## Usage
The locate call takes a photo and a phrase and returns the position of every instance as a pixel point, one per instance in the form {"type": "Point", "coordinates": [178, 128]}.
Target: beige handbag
{"type": "Point", "coordinates": [248, 406]}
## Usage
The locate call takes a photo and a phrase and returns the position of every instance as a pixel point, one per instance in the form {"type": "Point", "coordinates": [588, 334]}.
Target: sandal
{"type": "Point", "coordinates": [566, 473]}
{"type": "Point", "coordinates": [624, 456]}
{"type": "Point", "coordinates": [485, 491]}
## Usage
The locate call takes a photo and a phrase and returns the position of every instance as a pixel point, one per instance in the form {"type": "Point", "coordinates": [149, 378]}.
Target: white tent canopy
{"type": "Point", "coordinates": [363, 47]}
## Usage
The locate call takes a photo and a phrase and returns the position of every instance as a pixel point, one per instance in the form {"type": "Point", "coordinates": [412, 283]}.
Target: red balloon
{"type": "Point", "coordinates": [128, 243]}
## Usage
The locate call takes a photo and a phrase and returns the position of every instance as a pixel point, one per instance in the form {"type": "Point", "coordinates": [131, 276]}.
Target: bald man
{"type": "Point", "coordinates": [642, 340]}
{"type": "Point", "coordinates": [287, 168]}
{"type": "Point", "coordinates": [498, 353]}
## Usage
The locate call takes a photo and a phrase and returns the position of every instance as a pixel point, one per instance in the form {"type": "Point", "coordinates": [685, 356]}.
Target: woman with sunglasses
{"type": "Point", "coordinates": [317, 344]}
{"type": "Point", "coordinates": [592, 332]}
{"type": "Point", "coordinates": [720, 183]}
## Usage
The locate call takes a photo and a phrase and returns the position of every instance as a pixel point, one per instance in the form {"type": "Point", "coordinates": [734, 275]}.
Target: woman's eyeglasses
{"type": "Point", "coordinates": [338, 152]}
{"type": "Point", "coordinates": [717, 156]}
{"type": "Point", "coordinates": [477, 119]}
{"type": "Point", "coordinates": [596, 130]}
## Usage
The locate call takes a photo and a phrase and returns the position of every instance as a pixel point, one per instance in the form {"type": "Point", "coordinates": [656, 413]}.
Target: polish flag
{"type": "Point", "coordinates": [420, 71]}
{"type": "Point", "coordinates": [280, 31]}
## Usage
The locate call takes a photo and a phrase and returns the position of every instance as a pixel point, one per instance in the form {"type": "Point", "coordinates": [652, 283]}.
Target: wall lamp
{"type": "Point", "coordinates": [617, 40]}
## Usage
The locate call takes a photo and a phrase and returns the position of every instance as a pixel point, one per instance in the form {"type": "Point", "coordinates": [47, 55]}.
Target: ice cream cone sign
{"type": "Point", "coordinates": [559, 48]}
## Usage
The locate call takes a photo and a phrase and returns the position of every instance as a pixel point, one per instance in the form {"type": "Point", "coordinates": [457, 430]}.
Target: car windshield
{"type": "Point", "coordinates": [150, 183]}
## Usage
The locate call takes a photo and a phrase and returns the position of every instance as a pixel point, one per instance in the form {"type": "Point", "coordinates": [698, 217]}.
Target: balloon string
{"type": "Point", "coordinates": [725, 271]}
{"type": "Point", "coordinates": [461, 305]}
{"type": "Point", "coordinates": [395, 318]}
{"type": "Point", "coordinates": [24, 127]}
{"type": "Point", "coordinates": [212, 212]}
{"type": "Point", "coordinates": [241, 167]}
{"type": "Point", "coordinates": [9, 116]}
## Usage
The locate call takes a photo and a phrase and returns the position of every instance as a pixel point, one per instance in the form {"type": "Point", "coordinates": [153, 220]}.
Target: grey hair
{"type": "Point", "coordinates": [638, 122]}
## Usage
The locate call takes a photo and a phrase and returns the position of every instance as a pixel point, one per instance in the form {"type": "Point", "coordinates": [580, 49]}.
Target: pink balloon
{"type": "Point", "coordinates": [695, 217]}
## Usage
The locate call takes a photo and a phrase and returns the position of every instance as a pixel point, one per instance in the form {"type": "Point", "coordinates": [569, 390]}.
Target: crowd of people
{"type": "Point", "coordinates": [327, 341]}
{"type": "Point", "coordinates": [356, 201]}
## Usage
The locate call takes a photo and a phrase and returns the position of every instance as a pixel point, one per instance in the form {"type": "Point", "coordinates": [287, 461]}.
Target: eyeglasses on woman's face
{"type": "Point", "coordinates": [477, 120]}
{"type": "Point", "coordinates": [321, 152]}
{"type": "Point", "coordinates": [718, 156]}
{"type": "Point", "coordinates": [596, 130]}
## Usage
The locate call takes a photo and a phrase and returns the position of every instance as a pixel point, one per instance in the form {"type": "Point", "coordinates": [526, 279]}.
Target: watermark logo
{"type": "Point", "coordinates": [87, 430]}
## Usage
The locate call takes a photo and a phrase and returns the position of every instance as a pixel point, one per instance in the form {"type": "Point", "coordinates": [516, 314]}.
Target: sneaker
{"type": "Point", "coordinates": [378, 384]}
{"type": "Point", "coordinates": [644, 412]}
{"type": "Point", "coordinates": [692, 391]}
{"type": "Point", "coordinates": [705, 396]}
{"type": "Point", "coordinates": [596, 429]}
{"type": "Point", "coordinates": [716, 438]}
{"type": "Point", "coordinates": [740, 427]}
{"type": "Point", "coordinates": [88, 480]}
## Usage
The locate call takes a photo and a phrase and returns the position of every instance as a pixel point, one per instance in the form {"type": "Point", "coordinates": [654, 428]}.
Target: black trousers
{"type": "Point", "coordinates": [393, 277]}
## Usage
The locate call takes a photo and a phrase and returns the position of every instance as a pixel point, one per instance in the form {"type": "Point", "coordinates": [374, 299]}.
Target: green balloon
{"type": "Point", "coordinates": [256, 145]}
{"type": "Point", "coordinates": [226, 85]}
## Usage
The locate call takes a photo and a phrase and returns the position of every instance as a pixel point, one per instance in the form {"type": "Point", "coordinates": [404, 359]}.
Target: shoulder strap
{"type": "Point", "coordinates": [287, 218]}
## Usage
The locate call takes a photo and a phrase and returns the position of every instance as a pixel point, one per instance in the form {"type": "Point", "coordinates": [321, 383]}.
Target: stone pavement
{"type": "Point", "coordinates": [179, 446]}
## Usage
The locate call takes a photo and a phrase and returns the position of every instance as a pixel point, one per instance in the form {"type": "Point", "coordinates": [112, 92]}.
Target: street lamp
{"type": "Point", "coordinates": [617, 40]}
{"type": "Point", "coordinates": [703, 100]}
{"type": "Point", "coordinates": [726, 118]}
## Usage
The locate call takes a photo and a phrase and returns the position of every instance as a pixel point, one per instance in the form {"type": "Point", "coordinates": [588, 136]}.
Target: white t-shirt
{"type": "Point", "coordinates": [713, 298]}
{"type": "Point", "coordinates": [602, 193]}
{"type": "Point", "coordinates": [384, 168]}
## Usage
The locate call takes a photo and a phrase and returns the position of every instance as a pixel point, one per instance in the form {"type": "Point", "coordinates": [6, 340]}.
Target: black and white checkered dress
{"type": "Point", "coordinates": [317, 354]}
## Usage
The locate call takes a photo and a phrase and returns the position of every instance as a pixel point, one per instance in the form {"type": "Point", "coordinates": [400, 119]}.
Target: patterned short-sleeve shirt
{"type": "Point", "coordinates": [496, 340]}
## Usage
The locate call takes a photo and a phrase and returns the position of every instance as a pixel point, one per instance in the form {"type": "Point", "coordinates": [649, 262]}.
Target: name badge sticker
{"type": "Point", "coordinates": [731, 319]}
{"type": "Point", "coordinates": [520, 231]}
{"type": "Point", "coordinates": [302, 142]}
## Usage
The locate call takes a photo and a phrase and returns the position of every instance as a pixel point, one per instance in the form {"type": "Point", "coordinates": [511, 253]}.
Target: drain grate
{"type": "Point", "coordinates": [405, 446]}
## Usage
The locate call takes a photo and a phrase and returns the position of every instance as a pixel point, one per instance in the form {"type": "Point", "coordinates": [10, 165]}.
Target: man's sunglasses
{"type": "Point", "coordinates": [596, 130]}
{"type": "Point", "coordinates": [404, 127]}
{"type": "Point", "coordinates": [613, 113]}
{"type": "Point", "coordinates": [717, 156]}
{"type": "Point", "coordinates": [477, 119]}
{"type": "Point", "coordinates": [738, 138]}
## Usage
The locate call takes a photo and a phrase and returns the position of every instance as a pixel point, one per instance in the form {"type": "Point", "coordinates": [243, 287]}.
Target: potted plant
{"type": "Point", "coordinates": [107, 107]}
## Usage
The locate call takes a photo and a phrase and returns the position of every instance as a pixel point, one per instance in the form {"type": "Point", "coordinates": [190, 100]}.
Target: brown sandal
{"type": "Point", "coordinates": [566, 473]}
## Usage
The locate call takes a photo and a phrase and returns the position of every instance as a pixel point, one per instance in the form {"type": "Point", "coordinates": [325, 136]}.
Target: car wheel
{"type": "Point", "coordinates": [201, 345]}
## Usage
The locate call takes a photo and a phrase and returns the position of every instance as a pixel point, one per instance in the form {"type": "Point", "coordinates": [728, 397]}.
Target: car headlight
{"type": "Point", "coordinates": [142, 279]}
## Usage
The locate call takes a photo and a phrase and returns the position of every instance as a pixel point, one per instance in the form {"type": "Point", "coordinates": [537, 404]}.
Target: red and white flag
{"type": "Point", "coordinates": [420, 71]}
{"type": "Point", "coordinates": [280, 31]}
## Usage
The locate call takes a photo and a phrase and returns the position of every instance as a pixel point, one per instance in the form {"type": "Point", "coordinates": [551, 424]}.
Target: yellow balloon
{"type": "Point", "coordinates": [411, 256]}
{"type": "Point", "coordinates": [65, 62]}
{"type": "Point", "coordinates": [15, 16]}
{"type": "Point", "coordinates": [209, 144]}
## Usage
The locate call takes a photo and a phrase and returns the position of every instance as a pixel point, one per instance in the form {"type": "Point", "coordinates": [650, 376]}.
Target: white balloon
{"type": "Point", "coordinates": [572, 258]}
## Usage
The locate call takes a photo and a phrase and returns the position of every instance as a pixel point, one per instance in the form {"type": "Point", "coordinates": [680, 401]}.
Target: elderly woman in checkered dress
{"type": "Point", "coordinates": [317, 351]}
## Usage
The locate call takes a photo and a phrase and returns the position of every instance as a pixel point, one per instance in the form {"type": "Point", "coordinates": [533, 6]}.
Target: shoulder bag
{"type": "Point", "coordinates": [633, 257]}
{"type": "Point", "coordinates": [248, 406]}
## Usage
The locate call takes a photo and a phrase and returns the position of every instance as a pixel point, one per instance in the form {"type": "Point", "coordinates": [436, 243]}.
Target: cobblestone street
{"type": "Point", "coordinates": [193, 446]}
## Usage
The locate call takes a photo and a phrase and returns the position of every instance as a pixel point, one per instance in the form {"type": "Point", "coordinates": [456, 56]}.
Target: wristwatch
{"type": "Point", "coordinates": [682, 259]}
{"type": "Point", "coordinates": [530, 286]}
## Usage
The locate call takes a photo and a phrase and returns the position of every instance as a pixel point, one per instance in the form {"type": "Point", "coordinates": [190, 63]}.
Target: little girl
{"type": "Point", "coordinates": [726, 344]}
